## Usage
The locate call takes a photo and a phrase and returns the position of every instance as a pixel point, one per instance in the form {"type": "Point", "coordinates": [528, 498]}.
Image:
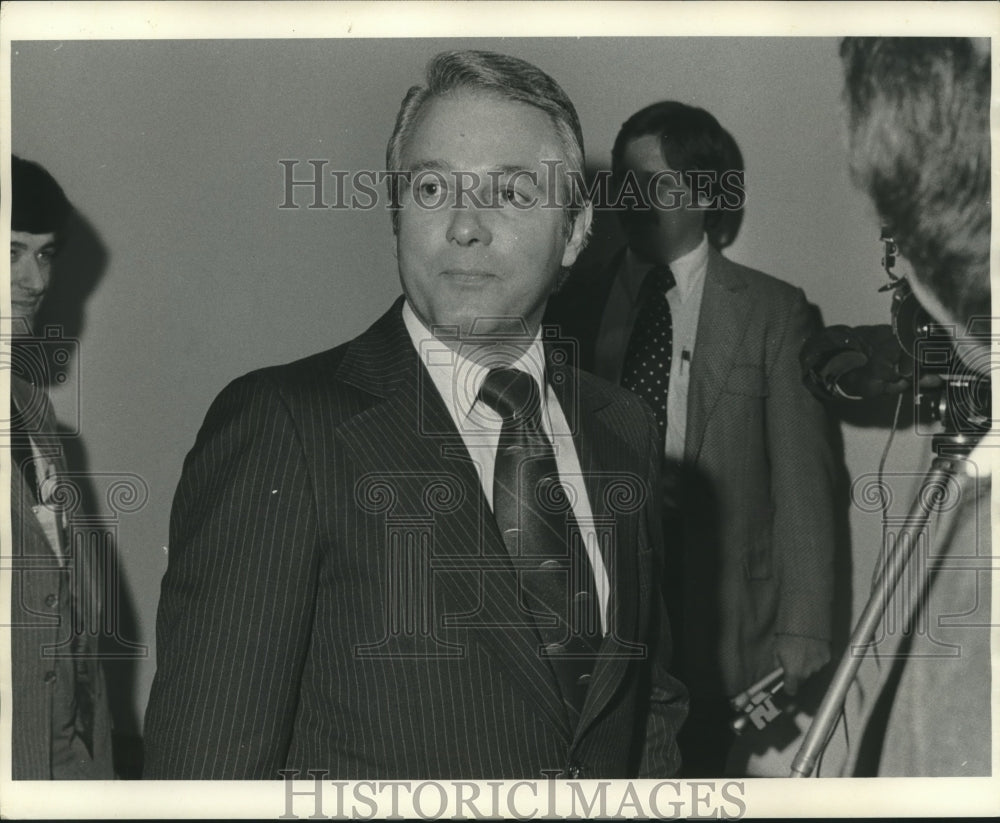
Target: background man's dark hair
{"type": "Point", "coordinates": [691, 140]}
{"type": "Point", "coordinates": [919, 133]}
{"type": "Point", "coordinates": [38, 204]}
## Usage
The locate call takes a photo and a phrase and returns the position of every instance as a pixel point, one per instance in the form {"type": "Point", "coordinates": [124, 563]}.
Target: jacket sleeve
{"type": "Point", "coordinates": [237, 600]}
{"type": "Point", "coordinates": [802, 483]}
{"type": "Point", "coordinates": [668, 698]}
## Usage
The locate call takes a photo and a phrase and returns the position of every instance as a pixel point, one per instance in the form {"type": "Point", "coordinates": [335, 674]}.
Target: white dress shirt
{"type": "Point", "coordinates": [619, 319]}
{"type": "Point", "coordinates": [47, 511]}
{"type": "Point", "coordinates": [458, 380]}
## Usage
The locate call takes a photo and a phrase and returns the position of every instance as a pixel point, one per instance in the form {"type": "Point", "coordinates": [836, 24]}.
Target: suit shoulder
{"type": "Point", "coordinates": [287, 378]}
{"type": "Point", "coordinates": [309, 383]}
{"type": "Point", "coordinates": [305, 371]}
{"type": "Point", "coordinates": [760, 282]}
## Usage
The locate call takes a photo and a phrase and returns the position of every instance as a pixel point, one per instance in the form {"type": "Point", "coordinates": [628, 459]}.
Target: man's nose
{"type": "Point", "coordinates": [31, 274]}
{"type": "Point", "coordinates": [468, 226]}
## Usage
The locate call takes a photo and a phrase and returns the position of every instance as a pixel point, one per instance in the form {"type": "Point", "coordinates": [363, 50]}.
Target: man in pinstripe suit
{"type": "Point", "coordinates": [341, 595]}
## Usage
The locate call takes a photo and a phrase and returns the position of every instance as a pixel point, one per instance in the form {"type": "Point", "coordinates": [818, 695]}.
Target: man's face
{"type": "Point", "coordinates": [30, 271]}
{"type": "Point", "coordinates": [493, 252]}
{"type": "Point", "coordinates": [671, 227]}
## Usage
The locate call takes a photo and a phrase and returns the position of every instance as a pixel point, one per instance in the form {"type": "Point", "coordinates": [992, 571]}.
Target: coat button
{"type": "Point", "coordinates": [575, 771]}
{"type": "Point", "coordinates": [51, 600]}
{"type": "Point", "coordinates": [583, 679]}
{"type": "Point", "coordinates": [50, 676]}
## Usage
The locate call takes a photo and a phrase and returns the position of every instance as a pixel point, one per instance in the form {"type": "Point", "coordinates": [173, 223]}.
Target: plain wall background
{"type": "Point", "coordinates": [170, 150]}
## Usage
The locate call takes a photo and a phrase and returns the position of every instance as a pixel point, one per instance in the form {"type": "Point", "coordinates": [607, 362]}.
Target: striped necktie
{"type": "Point", "coordinates": [536, 519]}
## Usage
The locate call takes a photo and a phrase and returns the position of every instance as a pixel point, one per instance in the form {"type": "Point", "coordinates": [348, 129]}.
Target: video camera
{"type": "Point", "coordinates": [948, 372]}
{"type": "Point", "coordinates": [912, 353]}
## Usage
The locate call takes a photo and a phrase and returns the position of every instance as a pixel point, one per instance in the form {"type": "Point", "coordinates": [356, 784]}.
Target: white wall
{"type": "Point", "coordinates": [170, 151]}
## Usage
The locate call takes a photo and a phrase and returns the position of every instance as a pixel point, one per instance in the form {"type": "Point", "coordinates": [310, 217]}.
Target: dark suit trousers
{"type": "Point", "coordinates": [706, 738]}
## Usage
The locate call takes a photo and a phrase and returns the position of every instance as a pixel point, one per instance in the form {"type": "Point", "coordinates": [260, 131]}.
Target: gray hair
{"type": "Point", "coordinates": [500, 74]}
{"type": "Point", "coordinates": [919, 130]}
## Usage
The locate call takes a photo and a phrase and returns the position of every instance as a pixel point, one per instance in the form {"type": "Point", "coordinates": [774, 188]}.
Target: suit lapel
{"type": "Point", "coordinates": [721, 325]}
{"type": "Point", "coordinates": [599, 446]}
{"type": "Point", "coordinates": [39, 421]}
{"type": "Point", "coordinates": [470, 605]}
{"type": "Point", "coordinates": [24, 522]}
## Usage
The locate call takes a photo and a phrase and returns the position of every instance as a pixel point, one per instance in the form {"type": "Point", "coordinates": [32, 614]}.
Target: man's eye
{"type": "Point", "coordinates": [510, 195]}
{"type": "Point", "coordinates": [431, 188]}
{"type": "Point", "coordinates": [46, 255]}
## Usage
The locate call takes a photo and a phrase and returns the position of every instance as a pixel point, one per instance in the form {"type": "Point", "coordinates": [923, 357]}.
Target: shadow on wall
{"type": "Point", "coordinates": [79, 267]}
{"type": "Point", "coordinates": [102, 498]}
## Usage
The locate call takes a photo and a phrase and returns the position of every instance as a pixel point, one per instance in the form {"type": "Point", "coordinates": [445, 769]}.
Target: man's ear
{"type": "Point", "coordinates": [578, 234]}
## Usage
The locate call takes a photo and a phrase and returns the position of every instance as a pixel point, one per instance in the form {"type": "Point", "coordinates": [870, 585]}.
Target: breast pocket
{"type": "Point", "coordinates": [747, 379]}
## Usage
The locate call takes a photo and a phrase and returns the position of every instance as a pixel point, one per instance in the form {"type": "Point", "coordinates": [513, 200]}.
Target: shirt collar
{"type": "Point", "coordinates": [688, 270]}
{"type": "Point", "coordinates": [457, 378]}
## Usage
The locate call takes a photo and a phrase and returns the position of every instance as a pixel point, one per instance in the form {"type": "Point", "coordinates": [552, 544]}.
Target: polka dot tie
{"type": "Point", "coordinates": [646, 370]}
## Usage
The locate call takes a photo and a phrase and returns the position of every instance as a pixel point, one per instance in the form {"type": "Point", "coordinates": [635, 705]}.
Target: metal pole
{"type": "Point", "coordinates": [928, 498]}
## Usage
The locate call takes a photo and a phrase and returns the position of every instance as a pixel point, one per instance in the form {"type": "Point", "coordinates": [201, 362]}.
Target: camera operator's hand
{"type": "Point", "coordinates": [800, 657]}
{"type": "Point", "coordinates": [855, 363]}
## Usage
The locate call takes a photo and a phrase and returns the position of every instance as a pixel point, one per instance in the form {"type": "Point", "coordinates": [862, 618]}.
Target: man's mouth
{"type": "Point", "coordinates": [470, 276]}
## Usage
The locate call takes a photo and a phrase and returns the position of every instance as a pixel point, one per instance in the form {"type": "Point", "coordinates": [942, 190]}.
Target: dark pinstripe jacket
{"type": "Point", "coordinates": [325, 605]}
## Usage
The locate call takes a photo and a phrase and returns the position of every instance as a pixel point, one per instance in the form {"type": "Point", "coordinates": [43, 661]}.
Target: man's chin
{"type": "Point", "coordinates": [485, 336]}
{"type": "Point", "coordinates": [486, 327]}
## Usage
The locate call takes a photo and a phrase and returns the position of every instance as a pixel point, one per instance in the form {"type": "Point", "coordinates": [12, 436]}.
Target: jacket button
{"type": "Point", "coordinates": [575, 771]}
{"type": "Point", "coordinates": [50, 676]}
{"type": "Point", "coordinates": [51, 600]}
